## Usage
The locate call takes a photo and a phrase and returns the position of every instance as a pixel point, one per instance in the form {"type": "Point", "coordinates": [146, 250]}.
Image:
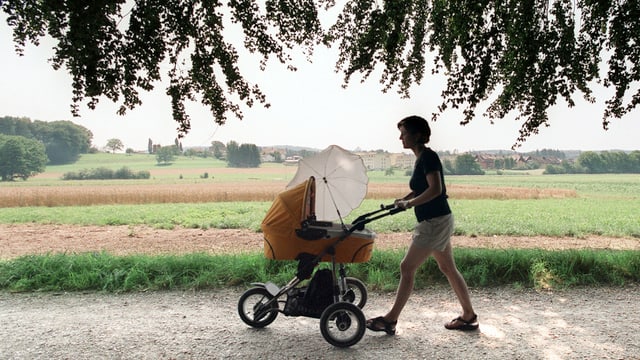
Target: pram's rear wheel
{"type": "Point", "coordinates": [342, 324]}
{"type": "Point", "coordinates": [356, 292]}
{"type": "Point", "coordinates": [253, 310]}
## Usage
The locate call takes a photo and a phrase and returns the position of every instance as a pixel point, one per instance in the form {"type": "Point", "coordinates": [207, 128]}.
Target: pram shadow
{"type": "Point", "coordinates": [307, 338]}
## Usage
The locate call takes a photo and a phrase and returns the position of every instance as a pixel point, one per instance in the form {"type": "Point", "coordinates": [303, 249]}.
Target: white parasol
{"type": "Point", "coordinates": [341, 181]}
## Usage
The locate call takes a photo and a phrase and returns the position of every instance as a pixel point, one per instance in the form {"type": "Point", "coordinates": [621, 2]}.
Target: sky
{"type": "Point", "coordinates": [308, 108]}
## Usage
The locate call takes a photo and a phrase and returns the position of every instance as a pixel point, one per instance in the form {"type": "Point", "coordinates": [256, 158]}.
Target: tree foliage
{"type": "Point", "coordinates": [114, 144]}
{"type": "Point", "coordinates": [524, 55]}
{"type": "Point", "coordinates": [64, 141]}
{"type": "Point", "coordinates": [243, 156]}
{"type": "Point", "coordinates": [166, 154]}
{"type": "Point", "coordinates": [609, 162]}
{"type": "Point", "coordinates": [466, 164]}
{"type": "Point", "coordinates": [20, 157]}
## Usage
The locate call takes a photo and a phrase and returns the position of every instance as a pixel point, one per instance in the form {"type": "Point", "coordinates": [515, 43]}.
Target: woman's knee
{"type": "Point", "coordinates": [407, 269]}
{"type": "Point", "coordinates": [448, 270]}
{"type": "Point", "coordinates": [447, 265]}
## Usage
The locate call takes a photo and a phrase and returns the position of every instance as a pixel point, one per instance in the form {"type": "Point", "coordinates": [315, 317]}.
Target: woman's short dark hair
{"type": "Point", "coordinates": [416, 125]}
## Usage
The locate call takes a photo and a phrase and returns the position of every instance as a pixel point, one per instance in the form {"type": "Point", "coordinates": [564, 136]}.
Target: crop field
{"type": "Point", "coordinates": [257, 190]}
{"type": "Point", "coordinates": [206, 180]}
{"type": "Point", "coordinates": [204, 193]}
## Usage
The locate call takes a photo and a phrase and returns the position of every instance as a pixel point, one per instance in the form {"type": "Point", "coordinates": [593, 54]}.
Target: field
{"type": "Point", "coordinates": [519, 209]}
{"type": "Point", "coordinates": [204, 181]}
{"type": "Point", "coordinates": [203, 193]}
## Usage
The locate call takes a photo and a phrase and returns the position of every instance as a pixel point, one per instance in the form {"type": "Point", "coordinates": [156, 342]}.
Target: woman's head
{"type": "Point", "coordinates": [416, 125]}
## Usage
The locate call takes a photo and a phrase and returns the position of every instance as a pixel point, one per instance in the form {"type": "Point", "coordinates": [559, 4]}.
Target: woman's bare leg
{"type": "Point", "coordinates": [447, 265]}
{"type": "Point", "coordinates": [414, 257]}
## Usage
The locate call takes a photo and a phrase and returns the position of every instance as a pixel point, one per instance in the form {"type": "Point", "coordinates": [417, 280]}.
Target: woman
{"type": "Point", "coordinates": [432, 234]}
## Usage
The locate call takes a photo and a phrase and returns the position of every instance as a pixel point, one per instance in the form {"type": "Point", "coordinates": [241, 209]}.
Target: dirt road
{"type": "Point", "coordinates": [514, 324]}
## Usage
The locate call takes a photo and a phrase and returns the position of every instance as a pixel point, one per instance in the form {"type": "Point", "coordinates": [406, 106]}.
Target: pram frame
{"type": "Point", "coordinates": [342, 298]}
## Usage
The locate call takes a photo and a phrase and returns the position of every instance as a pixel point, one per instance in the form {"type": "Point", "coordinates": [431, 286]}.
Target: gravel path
{"type": "Point", "coordinates": [587, 323]}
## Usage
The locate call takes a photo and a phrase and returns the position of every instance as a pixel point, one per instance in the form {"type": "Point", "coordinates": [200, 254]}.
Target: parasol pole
{"type": "Point", "coordinates": [324, 178]}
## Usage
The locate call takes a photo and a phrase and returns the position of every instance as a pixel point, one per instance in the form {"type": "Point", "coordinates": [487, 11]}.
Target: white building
{"type": "Point", "coordinates": [383, 160]}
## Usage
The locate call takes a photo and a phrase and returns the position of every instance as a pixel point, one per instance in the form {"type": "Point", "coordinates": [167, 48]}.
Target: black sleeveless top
{"type": "Point", "coordinates": [427, 162]}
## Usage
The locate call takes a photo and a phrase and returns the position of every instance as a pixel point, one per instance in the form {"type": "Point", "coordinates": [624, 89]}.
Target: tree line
{"type": "Point", "coordinates": [605, 162]}
{"type": "Point", "coordinates": [63, 140]}
{"type": "Point", "coordinates": [26, 146]}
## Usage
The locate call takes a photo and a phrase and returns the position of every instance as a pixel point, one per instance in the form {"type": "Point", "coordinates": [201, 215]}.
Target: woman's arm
{"type": "Point", "coordinates": [433, 191]}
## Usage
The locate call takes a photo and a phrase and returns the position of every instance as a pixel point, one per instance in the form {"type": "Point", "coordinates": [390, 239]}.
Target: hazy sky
{"type": "Point", "coordinates": [308, 108]}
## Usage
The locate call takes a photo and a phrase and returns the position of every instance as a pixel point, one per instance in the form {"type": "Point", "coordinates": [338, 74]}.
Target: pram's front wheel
{"type": "Point", "coordinates": [253, 308]}
{"type": "Point", "coordinates": [342, 324]}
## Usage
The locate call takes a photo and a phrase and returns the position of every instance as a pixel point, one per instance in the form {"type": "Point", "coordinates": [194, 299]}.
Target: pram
{"type": "Point", "coordinates": [292, 232]}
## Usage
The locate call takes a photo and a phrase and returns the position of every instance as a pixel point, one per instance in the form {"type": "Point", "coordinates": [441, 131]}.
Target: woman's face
{"type": "Point", "coordinates": [408, 139]}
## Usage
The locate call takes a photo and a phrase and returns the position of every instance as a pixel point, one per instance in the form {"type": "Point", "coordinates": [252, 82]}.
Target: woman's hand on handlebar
{"type": "Point", "coordinates": [402, 203]}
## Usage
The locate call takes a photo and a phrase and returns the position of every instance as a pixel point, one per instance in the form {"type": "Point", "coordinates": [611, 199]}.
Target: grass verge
{"type": "Point", "coordinates": [480, 267]}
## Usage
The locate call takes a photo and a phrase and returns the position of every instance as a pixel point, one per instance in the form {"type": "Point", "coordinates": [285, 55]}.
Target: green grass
{"type": "Point", "coordinates": [191, 168]}
{"type": "Point", "coordinates": [549, 217]}
{"type": "Point", "coordinates": [231, 215]}
{"type": "Point", "coordinates": [618, 186]}
{"type": "Point", "coordinates": [480, 267]}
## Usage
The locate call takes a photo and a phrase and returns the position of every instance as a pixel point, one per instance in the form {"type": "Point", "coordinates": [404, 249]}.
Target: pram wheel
{"type": "Point", "coordinates": [356, 292]}
{"type": "Point", "coordinates": [253, 310]}
{"type": "Point", "coordinates": [342, 324]}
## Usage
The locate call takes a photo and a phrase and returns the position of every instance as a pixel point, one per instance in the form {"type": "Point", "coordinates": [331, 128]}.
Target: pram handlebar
{"type": "Point", "coordinates": [362, 220]}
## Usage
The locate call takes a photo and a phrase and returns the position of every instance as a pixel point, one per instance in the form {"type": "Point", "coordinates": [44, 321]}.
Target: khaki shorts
{"type": "Point", "coordinates": [434, 234]}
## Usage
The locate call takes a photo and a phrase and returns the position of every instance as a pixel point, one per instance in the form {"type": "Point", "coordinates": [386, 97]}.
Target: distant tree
{"type": "Point", "coordinates": [243, 156]}
{"type": "Point", "coordinates": [129, 151]}
{"type": "Point", "coordinates": [178, 145]}
{"type": "Point", "coordinates": [565, 167]}
{"type": "Point", "coordinates": [21, 157]}
{"type": "Point", "coordinates": [448, 167]}
{"type": "Point", "coordinates": [509, 163]}
{"type": "Point", "coordinates": [16, 126]}
{"type": "Point", "coordinates": [165, 155]}
{"type": "Point", "coordinates": [548, 153]}
{"type": "Point", "coordinates": [150, 146]}
{"type": "Point", "coordinates": [634, 158]}
{"type": "Point", "coordinates": [615, 162]}
{"type": "Point", "coordinates": [277, 157]}
{"type": "Point", "coordinates": [219, 149]}
{"type": "Point", "coordinates": [114, 145]}
{"type": "Point", "coordinates": [466, 164]}
{"type": "Point", "coordinates": [592, 162]}
{"type": "Point", "coordinates": [64, 140]}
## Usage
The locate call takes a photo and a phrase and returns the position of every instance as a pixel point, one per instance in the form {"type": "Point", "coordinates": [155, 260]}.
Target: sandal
{"type": "Point", "coordinates": [461, 324]}
{"type": "Point", "coordinates": [380, 324]}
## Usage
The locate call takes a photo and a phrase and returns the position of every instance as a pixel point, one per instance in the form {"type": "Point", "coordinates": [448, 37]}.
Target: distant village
{"type": "Point", "coordinates": [382, 160]}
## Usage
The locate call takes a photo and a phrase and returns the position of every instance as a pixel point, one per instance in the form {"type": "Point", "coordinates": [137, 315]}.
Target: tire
{"type": "Point", "coordinates": [356, 292]}
{"type": "Point", "coordinates": [342, 324]}
{"type": "Point", "coordinates": [252, 310]}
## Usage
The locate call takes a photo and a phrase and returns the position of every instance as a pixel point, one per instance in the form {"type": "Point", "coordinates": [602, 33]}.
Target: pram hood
{"type": "Point", "coordinates": [289, 209]}
{"type": "Point", "coordinates": [284, 219]}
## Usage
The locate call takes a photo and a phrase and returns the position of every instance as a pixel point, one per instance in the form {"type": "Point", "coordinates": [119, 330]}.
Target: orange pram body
{"type": "Point", "coordinates": [290, 229]}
